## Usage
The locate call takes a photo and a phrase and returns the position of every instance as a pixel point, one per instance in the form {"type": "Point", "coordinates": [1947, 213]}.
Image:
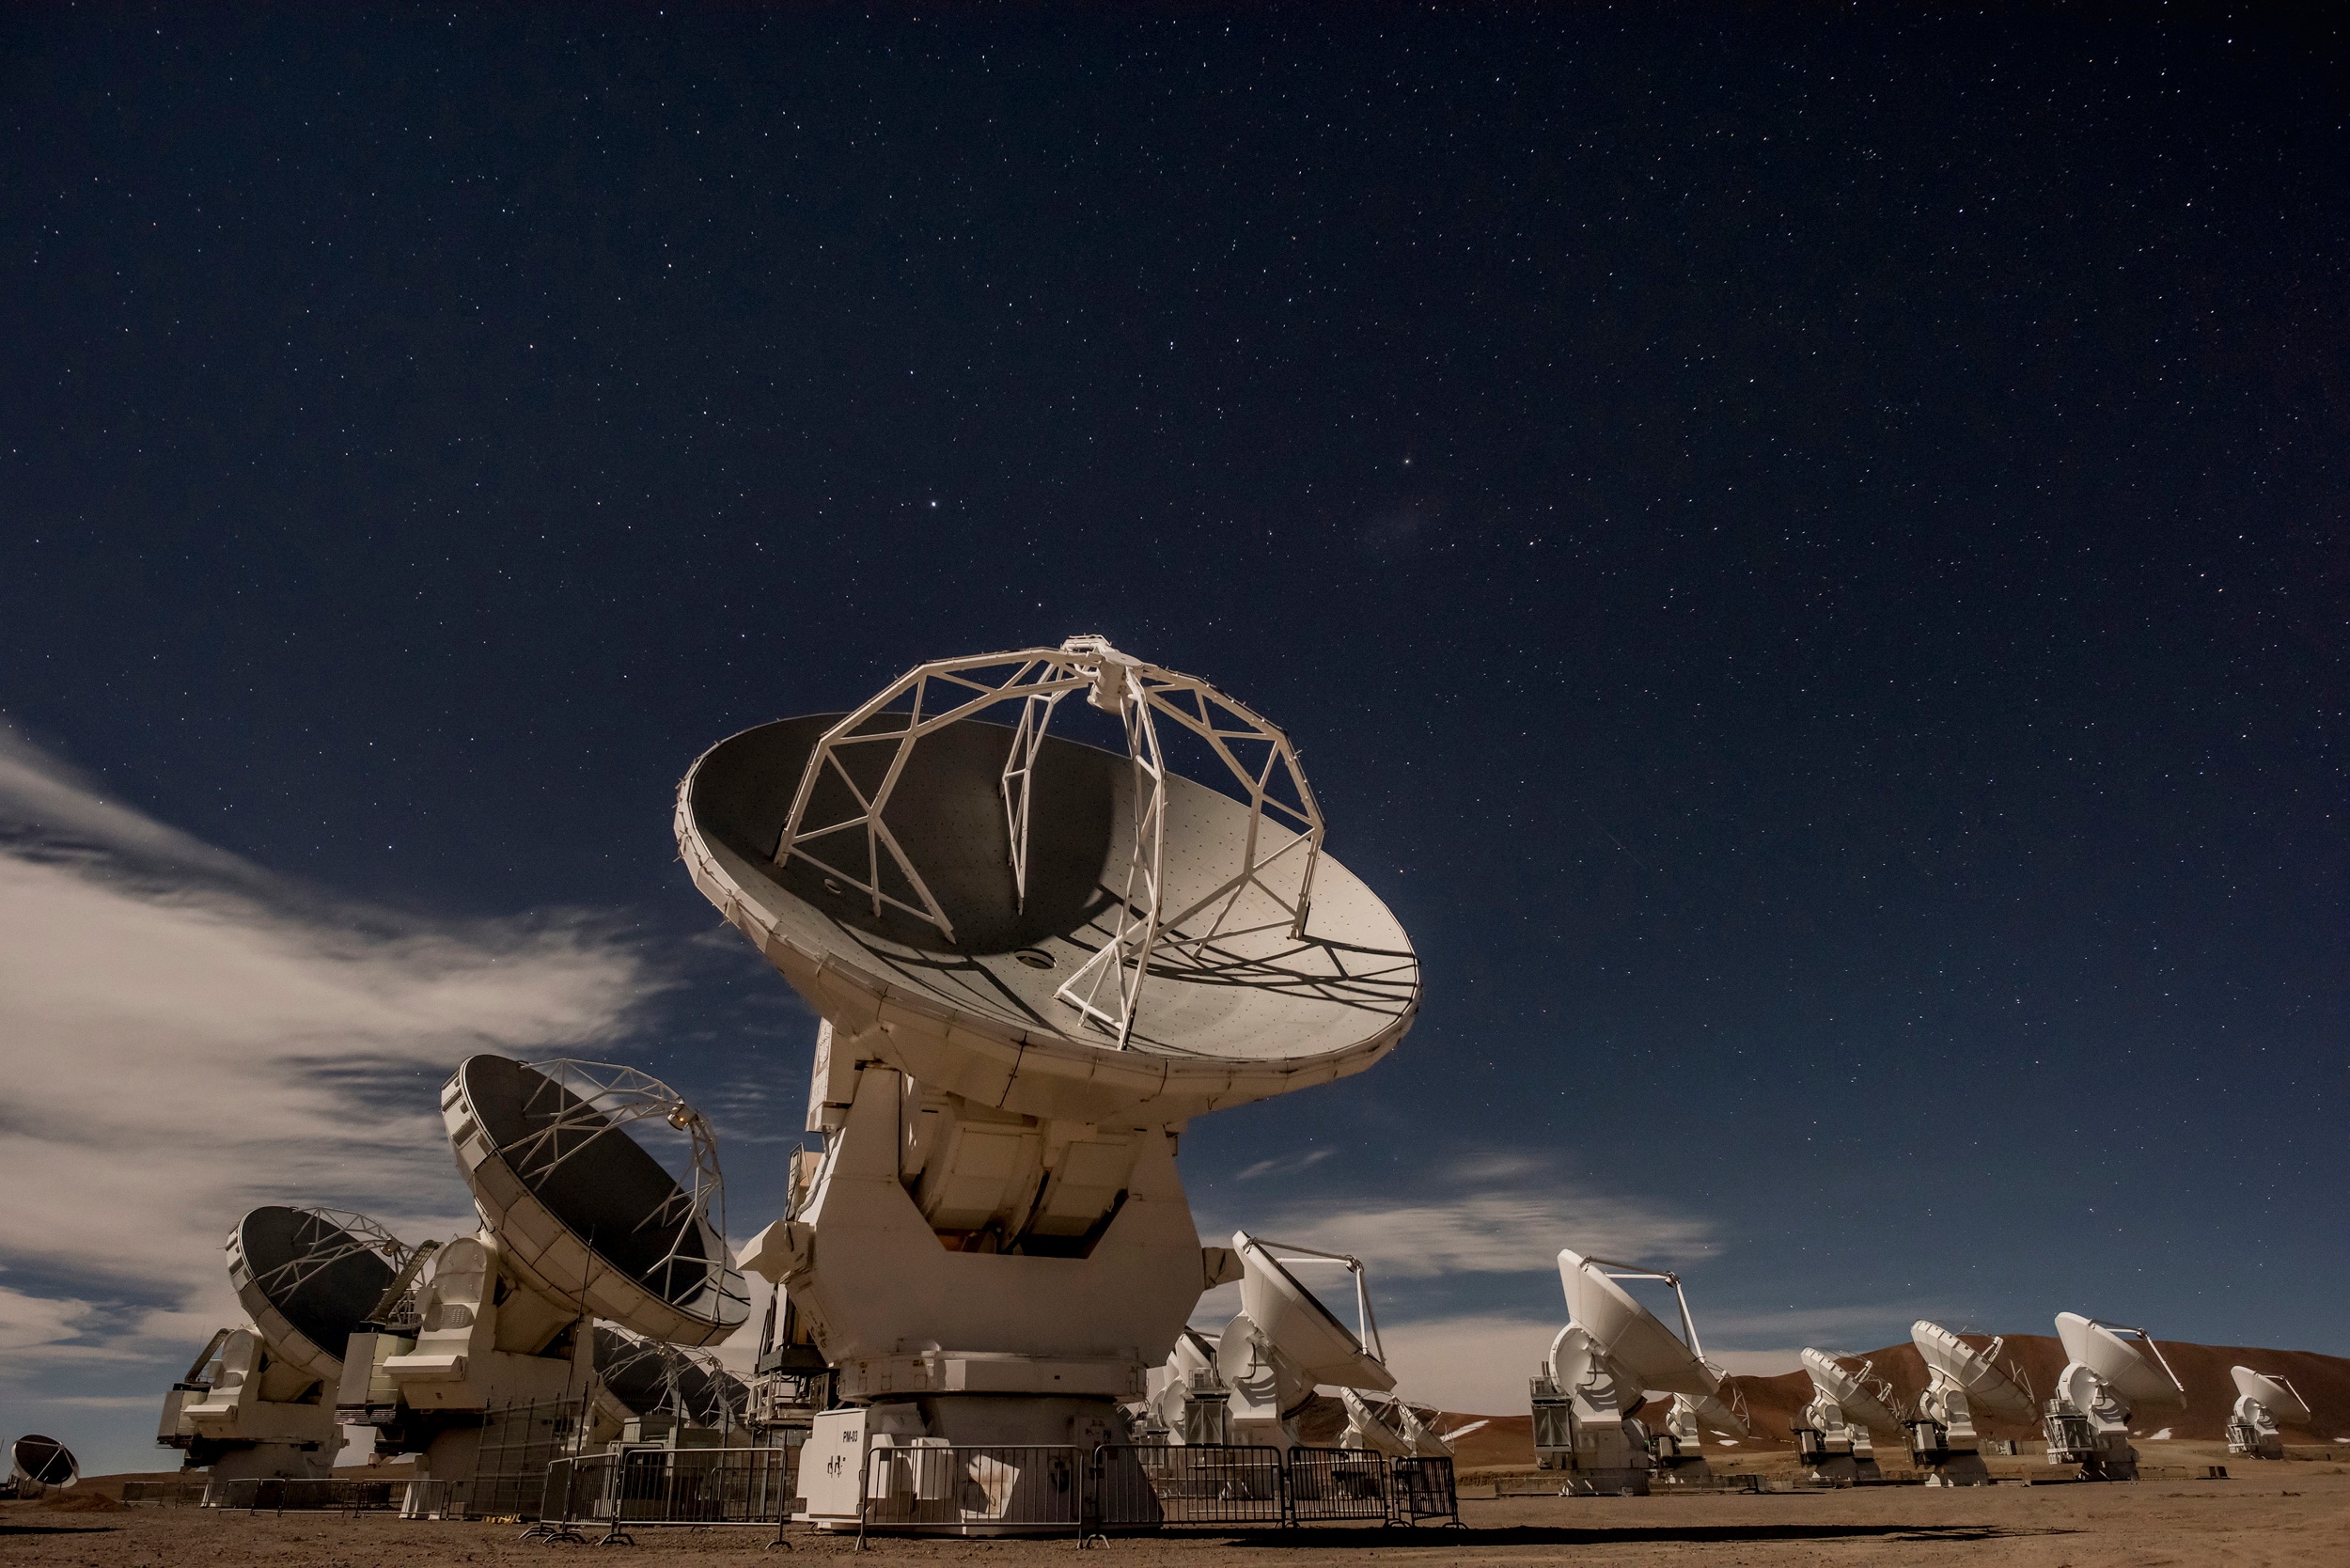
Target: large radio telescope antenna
{"type": "Point", "coordinates": [544, 1147]}
{"type": "Point", "coordinates": [943, 691]}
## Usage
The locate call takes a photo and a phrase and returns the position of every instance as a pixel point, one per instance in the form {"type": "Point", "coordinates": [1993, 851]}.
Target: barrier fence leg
{"type": "Point", "coordinates": [774, 1482]}
{"type": "Point", "coordinates": [1094, 1478]}
{"type": "Point", "coordinates": [863, 1496]}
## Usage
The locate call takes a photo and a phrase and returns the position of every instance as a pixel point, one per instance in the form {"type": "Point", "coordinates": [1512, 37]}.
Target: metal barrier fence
{"type": "Point", "coordinates": [669, 1486]}
{"type": "Point", "coordinates": [986, 1488]}
{"type": "Point", "coordinates": [1424, 1489]}
{"type": "Point", "coordinates": [1336, 1484]}
{"type": "Point", "coordinates": [280, 1495]}
{"type": "Point", "coordinates": [434, 1500]}
{"type": "Point", "coordinates": [164, 1493]}
{"type": "Point", "coordinates": [994, 1487]}
{"type": "Point", "coordinates": [518, 1443]}
{"type": "Point", "coordinates": [1144, 1485]}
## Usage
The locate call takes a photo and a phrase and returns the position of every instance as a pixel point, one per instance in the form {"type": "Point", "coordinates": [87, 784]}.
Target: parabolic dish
{"type": "Point", "coordinates": [44, 1460]}
{"type": "Point", "coordinates": [1855, 1397]}
{"type": "Point", "coordinates": [1986, 1388]}
{"type": "Point", "coordinates": [647, 1376]}
{"type": "Point", "coordinates": [1628, 1333]}
{"type": "Point", "coordinates": [307, 1313]}
{"type": "Point", "coordinates": [2287, 1406]}
{"type": "Point", "coordinates": [1715, 1416]}
{"type": "Point", "coordinates": [1306, 1333]}
{"type": "Point", "coordinates": [584, 1213]}
{"type": "Point", "coordinates": [1248, 1012]}
{"type": "Point", "coordinates": [2126, 1368]}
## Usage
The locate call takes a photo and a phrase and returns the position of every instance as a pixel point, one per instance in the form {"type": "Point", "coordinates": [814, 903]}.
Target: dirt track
{"type": "Point", "coordinates": [2276, 1513]}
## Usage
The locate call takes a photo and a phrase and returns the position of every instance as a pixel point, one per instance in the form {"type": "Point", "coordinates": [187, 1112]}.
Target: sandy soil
{"type": "Point", "coordinates": [2295, 1513]}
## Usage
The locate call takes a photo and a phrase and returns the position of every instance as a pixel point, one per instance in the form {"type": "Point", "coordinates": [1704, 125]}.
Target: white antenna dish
{"type": "Point", "coordinates": [1299, 1329]}
{"type": "Point", "coordinates": [2135, 1373]}
{"type": "Point", "coordinates": [2088, 1423]}
{"type": "Point", "coordinates": [1861, 1395]}
{"type": "Point", "coordinates": [1961, 1381]}
{"type": "Point", "coordinates": [1188, 1400]}
{"type": "Point", "coordinates": [1284, 1342]}
{"type": "Point", "coordinates": [310, 1278]}
{"type": "Point", "coordinates": [1728, 1417]}
{"type": "Point", "coordinates": [261, 1401]}
{"type": "Point", "coordinates": [1951, 1363]}
{"type": "Point", "coordinates": [1194, 1355]}
{"type": "Point", "coordinates": [2281, 1398]}
{"type": "Point", "coordinates": [1062, 931]}
{"type": "Point", "coordinates": [2264, 1403]}
{"type": "Point", "coordinates": [581, 1211]}
{"type": "Point", "coordinates": [42, 1462]}
{"type": "Point", "coordinates": [1629, 1334]}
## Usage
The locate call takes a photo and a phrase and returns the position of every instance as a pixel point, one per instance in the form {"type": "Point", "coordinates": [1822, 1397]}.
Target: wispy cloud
{"type": "Point", "coordinates": [27, 1320]}
{"type": "Point", "coordinates": [1513, 1219]}
{"type": "Point", "coordinates": [185, 1036]}
{"type": "Point", "coordinates": [1284, 1167]}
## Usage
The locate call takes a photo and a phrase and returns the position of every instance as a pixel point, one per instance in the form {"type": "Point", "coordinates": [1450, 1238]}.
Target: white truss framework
{"type": "Point", "coordinates": [945, 691]}
{"type": "Point", "coordinates": [599, 1099]}
{"type": "Point", "coordinates": [719, 1401]}
{"type": "Point", "coordinates": [1733, 1399]}
{"type": "Point", "coordinates": [326, 1238]}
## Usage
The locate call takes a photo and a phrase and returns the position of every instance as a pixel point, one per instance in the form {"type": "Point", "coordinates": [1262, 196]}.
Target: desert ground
{"type": "Point", "coordinates": [2294, 1512]}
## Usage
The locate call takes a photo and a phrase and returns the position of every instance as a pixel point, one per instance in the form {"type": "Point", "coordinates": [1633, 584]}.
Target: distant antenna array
{"type": "Point", "coordinates": [1258, 756]}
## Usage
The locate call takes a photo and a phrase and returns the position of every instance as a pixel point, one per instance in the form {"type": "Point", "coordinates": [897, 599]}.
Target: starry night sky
{"type": "Point", "coordinates": [1806, 555]}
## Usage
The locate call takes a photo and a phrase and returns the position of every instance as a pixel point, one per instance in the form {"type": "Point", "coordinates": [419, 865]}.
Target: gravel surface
{"type": "Point", "coordinates": [2290, 1513]}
